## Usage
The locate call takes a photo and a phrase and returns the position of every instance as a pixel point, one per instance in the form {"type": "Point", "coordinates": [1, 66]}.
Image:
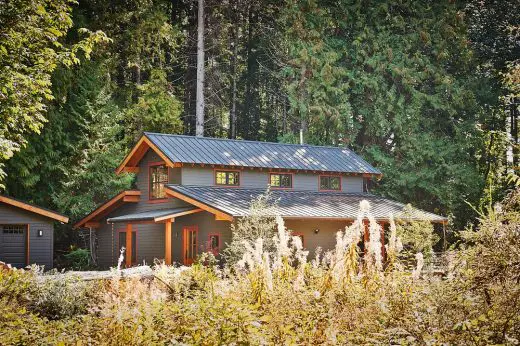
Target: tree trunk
{"type": "Point", "coordinates": [233, 108]}
{"type": "Point", "coordinates": [199, 127]}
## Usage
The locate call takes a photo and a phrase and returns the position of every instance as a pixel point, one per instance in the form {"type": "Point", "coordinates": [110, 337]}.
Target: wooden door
{"type": "Point", "coordinates": [189, 249]}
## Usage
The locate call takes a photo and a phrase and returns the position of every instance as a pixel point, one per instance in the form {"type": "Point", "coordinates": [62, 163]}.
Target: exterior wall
{"type": "Point", "coordinates": [40, 248]}
{"type": "Point", "coordinates": [260, 179]}
{"type": "Point", "coordinates": [150, 237]}
{"type": "Point", "coordinates": [325, 238]}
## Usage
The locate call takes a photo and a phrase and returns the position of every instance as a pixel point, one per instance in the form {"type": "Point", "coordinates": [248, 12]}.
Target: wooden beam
{"type": "Point", "coordinates": [128, 169]}
{"type": "Point", "coordinates": [93, 224]}
{"type": "Point", "coordinates": [216, 212]}
{"type": "Point", "coordinates": [130, 195]}
{"type": "Point", "coordinates": [366, 236]}
{"type": "Point", "coordinates": [174, 215]}
{"type": "Point", "coordinates": [128, 256]}
{"type": "Point", "coordinates": [168, 243]}
{"type": "Point", "coordinates": [34, 209]}
{"type": "Point", "coordinates": [137, 153]}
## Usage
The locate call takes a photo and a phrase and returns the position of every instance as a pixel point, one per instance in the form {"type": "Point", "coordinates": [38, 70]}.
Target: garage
{"type": "Point", "coordinates": [27, 233]}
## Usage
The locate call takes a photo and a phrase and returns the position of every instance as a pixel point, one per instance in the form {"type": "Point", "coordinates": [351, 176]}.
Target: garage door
{"type": "Point", "coordinates": [13, 239]}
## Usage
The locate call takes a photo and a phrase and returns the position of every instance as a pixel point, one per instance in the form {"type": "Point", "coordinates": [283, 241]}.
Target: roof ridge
{"type": "Point", "coordinates": [249, 141]}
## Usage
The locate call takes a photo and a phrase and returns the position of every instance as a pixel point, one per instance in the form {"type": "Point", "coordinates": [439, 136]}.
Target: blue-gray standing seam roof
{"type": "Point", "coordinates": [242, 153]}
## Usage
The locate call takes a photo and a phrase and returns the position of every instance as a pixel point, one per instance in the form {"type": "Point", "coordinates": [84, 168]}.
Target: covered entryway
{"type": "Point", "coordinates": [14, 241]}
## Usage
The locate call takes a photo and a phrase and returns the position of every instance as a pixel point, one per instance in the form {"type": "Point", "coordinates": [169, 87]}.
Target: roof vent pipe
{"type": "Point", "coordinates": [301, 136]}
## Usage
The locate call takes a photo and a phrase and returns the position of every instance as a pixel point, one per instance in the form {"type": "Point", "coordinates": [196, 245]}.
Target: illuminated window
{"type": "Point", "coordinates": [229, 178]}
{"type": "Point", "coordinates": [330, 182]}
{"type": "Point", "coordinates": [281, 180]}
{"type": "Point", "coordinates": [158, 177]}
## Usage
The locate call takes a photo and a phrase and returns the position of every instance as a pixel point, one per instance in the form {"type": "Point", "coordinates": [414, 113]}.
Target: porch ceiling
{"type": "Point", "coordinates": [154, 215]}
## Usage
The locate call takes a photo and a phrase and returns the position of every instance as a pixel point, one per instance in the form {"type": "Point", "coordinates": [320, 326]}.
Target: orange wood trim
{"type": "Point", "coordinates": [330, 175]}
{"type": "Point", "coordinates": [129, 169]}
{"type": "Point", "coordinates": [28, 246]}
{"type": "Point", "coordinates": [138, 151]}
{"type": "Point", "coordinates": [366, 236]}
{"type": "Point", "coordinates": [34, 209]}
{"type": "Point", "coordinates": [217, 213]}
{"type": "Point", "coordinates": [280, 173]}
{"type": "Point", "coordinates": [185, 243]}
{"type": "Point", "coordinates": [104, 208]}
{"type": "Point", "coordinates": [215, 170]}
{"type": "Point", "coordinates": [92, 224]}
{"type": "Point", "coordinates": [168, 243]}
{"type": "Point", "coordinates": [383, 250]}
{"type": "Point", "coordinates": [128, 255]}
{"type": "Point", "coordinates": [173, 216]}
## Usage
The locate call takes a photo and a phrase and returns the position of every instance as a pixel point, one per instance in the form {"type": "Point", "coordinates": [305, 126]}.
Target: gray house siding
{"type": "Point", "coordinates": [259, 179]}
{"type": "Point", "coordinates": [150, 237]}
{"type": "Point", "coordinates": [41, 248]}
{"type": "Point", "coordinates": [324, 238]}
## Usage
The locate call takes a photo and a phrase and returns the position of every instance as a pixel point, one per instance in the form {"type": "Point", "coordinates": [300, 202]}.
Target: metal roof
{"type": "Point", "coordinates": [300, 204]}
{"type": "Point", "coordinates": [149, 215]}
{"type": "Point", "coordinates": [216, 151]}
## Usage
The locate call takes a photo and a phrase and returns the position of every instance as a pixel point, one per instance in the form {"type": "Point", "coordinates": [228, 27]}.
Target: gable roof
{"type": "Point", "coordinates": [179, 149]}
{"type": "Point", "coordinates": [34, 209]}
{"type": "Point", "coordinates": [115, 202]}
{"type": "Point", "coordinates": [297, 204]}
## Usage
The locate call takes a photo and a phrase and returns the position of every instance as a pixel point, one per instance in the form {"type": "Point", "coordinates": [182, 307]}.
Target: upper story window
{"type": "Point", "coordinates": [227, 178]}
{"type": "Point", "coordinates": [280, 180]}
{"type": "Point", "coordinates": [330, 182]}
{"type": "Point", "coordinates": [158, 177]}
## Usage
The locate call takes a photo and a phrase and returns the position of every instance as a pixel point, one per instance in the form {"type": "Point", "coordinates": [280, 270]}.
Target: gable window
{"type": "Point", "coordinates": [330, 182]}
{"type": "Point", "coordinates": [158, 177]}
{"type": "Point", "coordinates": [281, 180]}
{"type": "Point", "coordinates": [214, 243]}
{"type": "Point", "coordinates": [227, 178]}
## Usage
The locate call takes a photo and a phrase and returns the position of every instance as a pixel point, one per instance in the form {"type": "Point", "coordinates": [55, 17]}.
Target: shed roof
{"type": "Point", "coordinates": [153, 215]}
{"type": "Point", "coordinates": [300, 204]}
{"type": "Point", "coordinates": [34, 209]}
{"type": "Point", "coordinates": [242, 153]}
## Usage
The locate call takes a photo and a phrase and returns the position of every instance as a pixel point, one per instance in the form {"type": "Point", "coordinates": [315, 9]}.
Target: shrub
{"type": "Point", "coordinates": [78, 259]}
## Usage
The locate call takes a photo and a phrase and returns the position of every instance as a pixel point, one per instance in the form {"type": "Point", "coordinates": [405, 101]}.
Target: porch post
{"type": "Point", "coordinates": [366, 236]}
{"type": "Point", "coordinates": [383, 250]}
{"type": "Point", "coordinates": [168, 242]}
{"type": "Point", "coordinates": [128, 257]}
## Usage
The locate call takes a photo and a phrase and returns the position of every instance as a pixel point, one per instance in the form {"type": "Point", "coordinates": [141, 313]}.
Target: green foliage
{"type": "Point", "coordinates": [156, 110]}
{"type": "Point", "coordinates": [78, 259]}
{"type": "Point", "coordinates": [30, 51]}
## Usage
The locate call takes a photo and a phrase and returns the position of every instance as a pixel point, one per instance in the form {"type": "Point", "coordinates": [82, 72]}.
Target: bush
{"type": "Point", "coordinates": [78, 259]}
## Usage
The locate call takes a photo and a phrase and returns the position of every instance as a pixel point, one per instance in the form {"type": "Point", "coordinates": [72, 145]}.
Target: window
{"type": "Point", "coordinates": [158, 177]}
{"type": "Point", "coordinates": [281, 180]}
{"type": "Point", "coordinates": [330, 182]}
{"type": "Point", "coordinates": [214, 243]}
{"type": "Point", "coordinates": [13, 229]}
{"type": "Point", "coordinates": [229, 178]}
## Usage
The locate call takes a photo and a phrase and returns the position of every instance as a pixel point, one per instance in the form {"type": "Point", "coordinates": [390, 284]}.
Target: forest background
{"type": "Point", "coordinates": [427, 91]}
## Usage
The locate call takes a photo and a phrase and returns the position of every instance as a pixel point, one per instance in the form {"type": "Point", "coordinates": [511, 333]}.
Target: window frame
{"type": "Point", "coordinates": [216, 251]}
{"type": "Point", "coordinates": [150, 166]}
{"type": "Point", "coordinates": [330, 176]}
{"type": "Point", "coordinates": [281, 187]}
{"type": "Point", "coordinates": [217, 170]}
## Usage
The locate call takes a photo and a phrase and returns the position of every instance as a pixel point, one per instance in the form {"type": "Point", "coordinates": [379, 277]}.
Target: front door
{"type": "Point", "coordinates": [14, 238]}
{"type": "Point", "coordinates": [189, 249]}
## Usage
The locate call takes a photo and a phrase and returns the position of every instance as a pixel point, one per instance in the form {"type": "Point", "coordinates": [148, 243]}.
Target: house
{"type": "Point", "coordinates": [27, 233]}
{"type": "Point", "coordinates": [191, 189]}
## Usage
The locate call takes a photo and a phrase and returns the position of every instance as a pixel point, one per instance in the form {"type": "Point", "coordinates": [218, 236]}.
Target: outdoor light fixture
{"type": "Point", "coordinates": [40, 233]}
{"type": "Point", "coordinates": [316, 231]}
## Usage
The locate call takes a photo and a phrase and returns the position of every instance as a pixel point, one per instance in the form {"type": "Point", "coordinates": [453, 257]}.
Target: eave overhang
{"type": "Point", "coordinates": [34, 209]}
{"type": "Point", "coordinates": [92, 219]}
